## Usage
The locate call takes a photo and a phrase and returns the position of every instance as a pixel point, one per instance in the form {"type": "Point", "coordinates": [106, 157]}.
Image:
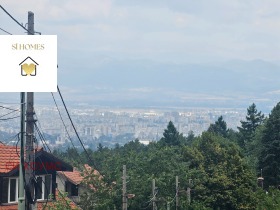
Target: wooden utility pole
{"type": "Point", "coordinates": [30, 155]}
{"type": "Point", "coordinates": [124, 195]}
{"type": "Point", "coordinates": [189, 191]}
{"type": "Point", "coordinates": [168, 206]}
{"type": "Point", "coordinates": [177, 193]}
{"type": "Point", "coordinates": [189, 195]}
{"type": "Point", "coordinates": [154, 194]}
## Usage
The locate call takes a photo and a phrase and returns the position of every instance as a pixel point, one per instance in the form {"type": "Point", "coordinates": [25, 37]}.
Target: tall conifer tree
{"type": "Point", "coordinates": [269, 160]}
{"type": "Point", "coordinates": [248, 127]}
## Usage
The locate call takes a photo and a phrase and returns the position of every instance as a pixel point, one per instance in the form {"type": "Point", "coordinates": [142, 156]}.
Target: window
{"type": "Point", "coordinates": [71, 189]}
{"type": "Point", "coordinates": [13, 190]}
{"type": "Point", "coordinates": [44, 184]}
{"type": "Point", "coordinates": [48, 186]}
{"type": "Point", "coordinates": [74, 190]}
{"type": "Point", "coordinates": [5, 190]}
{"type": "Point", "coordinates": [10, 188]}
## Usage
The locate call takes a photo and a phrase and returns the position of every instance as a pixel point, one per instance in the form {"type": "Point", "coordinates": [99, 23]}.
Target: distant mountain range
{"type": "Point", "coordinates": [142, 83]}
{"type": "Point", "coordinates": [235, 83]}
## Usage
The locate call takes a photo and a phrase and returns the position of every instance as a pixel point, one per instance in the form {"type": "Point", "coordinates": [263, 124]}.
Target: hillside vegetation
{"type": "Point", "coordinates": [217, 170]}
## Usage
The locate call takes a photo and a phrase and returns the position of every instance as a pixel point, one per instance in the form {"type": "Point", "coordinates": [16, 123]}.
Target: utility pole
{"type": "Point", "coordinates": [177, 193]}
{"type": "Point", "coordinates": [168, 206]}
{"type": "Point", "coordinates": [189, 191]}
{"type": "Point", "coordinates": [124, 200]}
{"type": "Point", "coordinates": [21, 199]}
{"type": "Point", "coordinates": [154, 194]}
{"type": "Point", "coordinates": [189, 195]}
{"type": "Point", "coordinates": [30, 155]}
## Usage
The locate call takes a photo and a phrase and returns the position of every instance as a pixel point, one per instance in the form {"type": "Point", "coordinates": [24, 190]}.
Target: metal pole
{"type": "Point", "coordinates": [189, 191]}
{"type": "Point", "coordinates": [21, 199]}
{"type": "Point", "coordinates": [124, 200]}
{"type": "Point", "coordinates": [154, 194]}
{"type": "Point", "coordinates": [189, 195]}
{"type": "Point", "coordinates": [30, 155]}
{"type": "Point", "coordinates": [168, 206]}
{"type": "Point", "coordinates": [177, 192]}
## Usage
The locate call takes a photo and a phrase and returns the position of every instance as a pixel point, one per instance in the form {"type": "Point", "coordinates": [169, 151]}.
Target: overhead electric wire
{"type": "Point", "coordinates": [45, 205]}
{"type": "Point", "coordinates": [174, 196]}
{"type": "Point", "coordinates": [150, 201]}
{"type": "Point", "coordinates": [45, 146]}
{"type": "Point", "coordinates": [40, 135]}
{"type": "Point", "coordinates": [10, 118]}
{"type": "Point", "coordinates": [43, 140]}
{"type": "Point", "coordinates": [15, 19]}
{"type": "Point", "coordinates": [5, 31]}
{"type": "Point", "coordinates": [8, 113]}
{"type": "Point", "coordinates": [65, 127]}
{"type": "Point", "coordinates": [3, 107]}
{"type": "Point", "coordinates": [1, 102]}
{"type": "Point", "coordinates": [88, 156]}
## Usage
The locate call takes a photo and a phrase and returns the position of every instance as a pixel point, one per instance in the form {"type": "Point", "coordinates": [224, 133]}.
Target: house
{"type": "Point", "coordinates": [72, 182]}
{"type": "Point", "coordinates": [45, 166]}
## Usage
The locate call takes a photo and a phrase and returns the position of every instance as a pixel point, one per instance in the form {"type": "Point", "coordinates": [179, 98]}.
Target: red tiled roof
{"type": "Point", "coordinates": [76, 177]}
{"type": "Point", "coordinates": [9, 158]}
{"type": "Point", "coordinates": [41, 205]}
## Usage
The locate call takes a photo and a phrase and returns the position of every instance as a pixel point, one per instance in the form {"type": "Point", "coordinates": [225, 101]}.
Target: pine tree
{"type": "Point", "coordinates": [219, 127]}
{"type": "Point", "coordinates": [269, 160]}
{"type": "Point", "coordinates": [171, 136]}
{"type": "Point", "coordinates": [248, 127]}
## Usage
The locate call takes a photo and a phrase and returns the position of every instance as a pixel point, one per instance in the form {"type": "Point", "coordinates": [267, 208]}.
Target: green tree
{"type": "Point", "coordinates": [190, 138]}
{"type": "Point", "coordinates": [248, 127]}
{"type": "Point", "coordinates": [269, 199]}
{"type": "Point", "coordinates": [171, 136]}
{"type": "Point", "coordinates": [61, 203]}
{"type": "Point", "coordinates": [269, 160]}
{"type": "Point", "coordinates": [221, 178]}
{"type": "Point", "coordinates": [98, 195]}
{"type": "Point", "coordinates": [219, 127]}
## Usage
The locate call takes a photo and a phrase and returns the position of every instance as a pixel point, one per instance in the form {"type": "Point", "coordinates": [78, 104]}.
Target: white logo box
{"type": "Point", "coordinates": [20, 54]}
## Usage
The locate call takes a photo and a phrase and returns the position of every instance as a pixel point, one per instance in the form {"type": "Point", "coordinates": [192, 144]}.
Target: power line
{"type": "Point", "coordinates": [65, 127]}
{"type": "Point", "coordinates": [43, 140]}
{"type": "Point", "coordinates": [5, 31]}
{"type": "Point", "coordinates": [75, 128]}
{"type": "Point", "coordinates": [41, 134]}
{"type": "Point", "coordinates": [3, 107]}
{"type": "Point", "coordinates": [10, 118]}
{"type": "Point", "coordinates": [1, 102]}
{"type": "Point", "coordinates": [41, 137]}
{"type": "Point", "coordinates": [8, 113]}
{"type": "Point", "coordinates": [15, 19]}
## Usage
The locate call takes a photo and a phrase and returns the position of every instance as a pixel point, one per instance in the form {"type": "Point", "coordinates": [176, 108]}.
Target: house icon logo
{"type": "Point", "coordinates": [28, 67]}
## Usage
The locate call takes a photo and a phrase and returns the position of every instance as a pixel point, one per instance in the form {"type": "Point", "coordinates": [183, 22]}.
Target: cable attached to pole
{"type": "Point", "coordinates": [75, 128]}
{"type": "Point", "coordinates": [5, 31]}
{"type": "Point", "coordinates": [15, 20]}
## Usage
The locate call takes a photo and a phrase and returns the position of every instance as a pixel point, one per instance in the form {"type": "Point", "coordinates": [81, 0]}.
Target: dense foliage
{"type": "Point", "coordinates": [270, 151]}
{"type": "Point", "coordinates": [216, 170]}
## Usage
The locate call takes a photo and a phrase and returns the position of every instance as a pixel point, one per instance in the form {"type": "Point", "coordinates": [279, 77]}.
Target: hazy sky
{"type": "Point", "coordinates": [110, 49]}
{"type": "Point", "coordinates": [163, 30]}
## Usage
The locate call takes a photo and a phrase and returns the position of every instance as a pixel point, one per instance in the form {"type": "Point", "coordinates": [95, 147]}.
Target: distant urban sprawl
{"type": "Point", "coordinates": [111, 126]}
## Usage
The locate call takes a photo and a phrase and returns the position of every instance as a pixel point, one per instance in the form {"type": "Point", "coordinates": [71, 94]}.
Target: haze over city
{"type": "Point", "coordinates": [160, 53]}
{"type": "Point", "coordinates": [160, 104]}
